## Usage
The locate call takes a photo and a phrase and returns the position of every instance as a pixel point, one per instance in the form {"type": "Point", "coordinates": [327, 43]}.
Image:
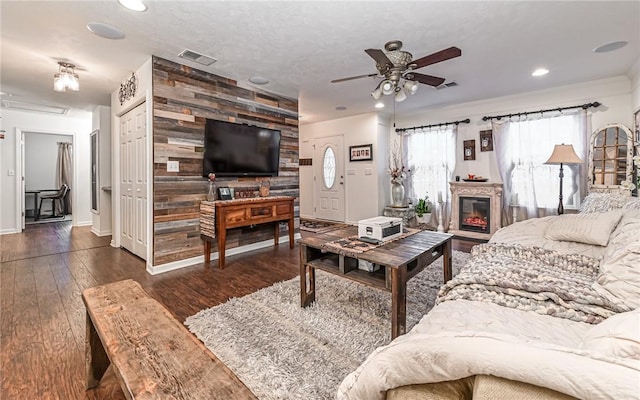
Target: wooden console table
{"type": "Point", "coordinates": [228, 214]}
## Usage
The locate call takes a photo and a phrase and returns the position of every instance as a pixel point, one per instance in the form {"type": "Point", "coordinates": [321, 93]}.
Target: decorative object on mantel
{"type": "Point", "coordinates": [563, 154]}
{"type": "Point", "coordinates": [128, 89]}
{"type": "Point", "coordinates": [211, 195]}
{"type": "Point", "coordinates": [475, 178]}
{"type": "Point", "coordinates": [486, 140]}
{"type": "Point", "coordinates": [264, 188]}
{"type": "Point", "coordinates": [469, 150]}
{"type": "Point", "coordinates": [440, 221]}
{"type": "Point", "coordinates": [423, 210]}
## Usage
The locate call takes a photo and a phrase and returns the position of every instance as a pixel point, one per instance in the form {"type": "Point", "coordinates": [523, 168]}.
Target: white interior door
{"type": "Point", "coordinates": [133, 181]}
{"type": "Point", "coordinates": [328, 178]}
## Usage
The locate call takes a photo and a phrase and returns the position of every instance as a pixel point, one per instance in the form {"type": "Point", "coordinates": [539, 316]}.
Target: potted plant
{"type": "Point", "coordinates": [423, 210]}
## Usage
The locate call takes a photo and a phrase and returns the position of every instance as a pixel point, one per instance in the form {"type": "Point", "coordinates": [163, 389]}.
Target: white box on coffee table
{"type": "Point", "coordinates": [380, 228]}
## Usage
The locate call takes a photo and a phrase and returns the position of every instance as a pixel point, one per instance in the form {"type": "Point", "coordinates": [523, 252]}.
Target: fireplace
{"type": "Point", "coordinates": [475, 214]}
{"type": "Point", "coordinates": [476, 209]}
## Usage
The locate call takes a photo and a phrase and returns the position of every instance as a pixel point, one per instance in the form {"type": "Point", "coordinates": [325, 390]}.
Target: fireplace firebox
{"type": "Point", "coordinates": [475, 214]}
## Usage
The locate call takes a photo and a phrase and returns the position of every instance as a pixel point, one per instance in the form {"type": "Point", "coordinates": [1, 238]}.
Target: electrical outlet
{"type": "Point", "coordinates": [173, 166]}
{"type": "Point", "coordinates": [368, 171]}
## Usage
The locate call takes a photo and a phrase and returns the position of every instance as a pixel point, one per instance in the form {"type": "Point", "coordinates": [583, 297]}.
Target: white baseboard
{"type": "Point", "coordinates": [83, 223]}
{"type": "Point", "coordinates": [8, 231]}
{"type": "Point", "coordinates": [158, 269]}
{"type": "Point", "coordinates": [99, 233]}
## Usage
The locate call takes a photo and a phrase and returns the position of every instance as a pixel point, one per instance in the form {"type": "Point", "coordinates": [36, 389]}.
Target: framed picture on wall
{"type": "Point", "coordinates": [486, 140]}
{"type": "Point", "coordinates": [469, 150]}
{"type": "Point", "coordinates": [361, 153]}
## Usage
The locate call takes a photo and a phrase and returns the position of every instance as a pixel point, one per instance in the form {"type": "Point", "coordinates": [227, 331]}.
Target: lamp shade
{"type": "Point", "coordinates": [387, 87]}
{"type": "Point", "coordinates": [563, 154]}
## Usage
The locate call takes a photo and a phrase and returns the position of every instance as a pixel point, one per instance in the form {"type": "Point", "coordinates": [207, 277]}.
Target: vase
{"type": "Point", "coordinates": [397, 194]}
{"type": "Point", "coordinates": [211, 195]}
{"type": "Point", "coordinates": [425, 219]}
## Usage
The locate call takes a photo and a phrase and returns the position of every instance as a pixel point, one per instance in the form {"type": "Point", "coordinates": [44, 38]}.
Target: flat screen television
{"type": "Point", "coordinates": [240, 150]}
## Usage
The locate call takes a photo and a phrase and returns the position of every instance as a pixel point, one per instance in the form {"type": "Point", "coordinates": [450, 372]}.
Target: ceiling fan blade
{"type": "Point", "coordinates": [380, 58]}
{"type": "Point", "coordinates": [353, 77]}
{"type": "Point", "coordinates": [426, 79]}
{"type": "Point", "coordinates": [437, 57]}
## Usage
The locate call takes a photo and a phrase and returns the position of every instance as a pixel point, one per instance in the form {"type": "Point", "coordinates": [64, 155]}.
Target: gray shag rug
{"type": "Point", "coordinates": [282, 351]}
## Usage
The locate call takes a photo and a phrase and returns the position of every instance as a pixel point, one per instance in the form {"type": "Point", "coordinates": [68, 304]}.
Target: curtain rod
{"type": "Point", "coordinates": [585, 106]}
{"type": "Point", "coordinates": [464, 121]}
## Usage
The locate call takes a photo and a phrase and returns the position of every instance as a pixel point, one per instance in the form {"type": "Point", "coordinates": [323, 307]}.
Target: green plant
{"type": "Point", "coordinates": [423, 206]}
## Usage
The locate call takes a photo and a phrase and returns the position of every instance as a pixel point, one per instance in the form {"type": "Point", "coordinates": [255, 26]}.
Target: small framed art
{"type": "Point", "coordinates": [224, 193]}
{"type": "Point", "coordinates": [469, 150]}
{"type": "Point", "coordinates": [361, 153]}
{"type": "Point", "coordinates": [486, 140]}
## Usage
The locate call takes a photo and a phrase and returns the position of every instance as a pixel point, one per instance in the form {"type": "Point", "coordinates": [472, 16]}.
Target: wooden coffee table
{"type": "Point", "coordinates": [399, 261]}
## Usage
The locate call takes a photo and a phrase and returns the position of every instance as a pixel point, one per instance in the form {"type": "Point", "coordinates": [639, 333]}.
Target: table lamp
{"type": "Point", "coordinates": [563, 154]}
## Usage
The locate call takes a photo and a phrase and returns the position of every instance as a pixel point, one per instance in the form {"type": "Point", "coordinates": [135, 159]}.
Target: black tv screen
{"type": "Point", "coordinates": [240, 150]}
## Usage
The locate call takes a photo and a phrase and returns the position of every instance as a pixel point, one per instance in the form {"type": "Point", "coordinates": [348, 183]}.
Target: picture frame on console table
{"type": "Point", "coordinates": [361, 153]}
{"type": "Point", "coordinates": [224, 193]}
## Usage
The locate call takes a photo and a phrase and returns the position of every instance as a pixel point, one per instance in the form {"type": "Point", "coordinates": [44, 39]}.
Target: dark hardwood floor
{"type": "Point", "coordinates": [42, 318]}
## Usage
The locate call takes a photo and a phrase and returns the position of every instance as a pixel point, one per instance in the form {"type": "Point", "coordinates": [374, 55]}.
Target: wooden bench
{"type": "Point", "coordinates": [152, 355]}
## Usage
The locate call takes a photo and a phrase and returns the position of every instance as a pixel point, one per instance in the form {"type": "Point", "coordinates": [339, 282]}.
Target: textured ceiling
{"type": "Point", "coordinates": [301, 46]}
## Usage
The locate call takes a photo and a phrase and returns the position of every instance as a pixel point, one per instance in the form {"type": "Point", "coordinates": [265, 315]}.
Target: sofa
{"type": "Point", "coordinates": [548, 309]}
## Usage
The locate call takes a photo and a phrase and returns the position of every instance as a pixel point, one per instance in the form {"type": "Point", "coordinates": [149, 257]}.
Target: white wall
{"type": "Point", "coordinates": [41, 157]}
{"type": "Point", "coordinates": [614, 93]}
{"type": "Point", "coordinates": [101, 220]}
{"type": "Point", "coordinates": [364, 180]}
{"type": "Point", "coordinates": [634, 73]}
{"type": "Point", "coordinates": [14, 122]}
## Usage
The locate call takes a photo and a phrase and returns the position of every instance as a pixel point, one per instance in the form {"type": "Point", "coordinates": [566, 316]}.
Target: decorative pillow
{"type": "Point", "coordinates": [602, 202]}
{"type": "Point", "coordinates": [618, 335]}
{"type": "Point", "coordinates": [590, 228]}
{"type": "Point", "coordinates": [619, 279]}
{"type": "Point", "coordinates": [633, 204]}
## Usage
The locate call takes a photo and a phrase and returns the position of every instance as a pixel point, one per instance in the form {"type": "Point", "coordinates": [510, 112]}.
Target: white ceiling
{"type": "Point", "coordinates": [301, 46]}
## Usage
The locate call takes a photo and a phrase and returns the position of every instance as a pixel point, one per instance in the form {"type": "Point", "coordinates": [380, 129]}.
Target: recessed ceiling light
{"type": "Point", "coordinates": [540, 72]}
{"type": "Point", "coordinates": [105, 31]}
{"type": "Point", "coordinates": [379, 105]}
{"type": "Point", "coordinates": [135, 5]}
{"type": "Point", "coordinates": [341, 108]}
{"type": "Point", "coordinates": [258, 80]}
{"type": "Point", "coordinates": [612, 46]}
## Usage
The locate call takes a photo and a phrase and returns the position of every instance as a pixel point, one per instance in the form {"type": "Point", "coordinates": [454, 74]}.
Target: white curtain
{"type": "Point", "coordinates": [431, 155]}
{"type": "Point", "coordinates": [64, 171]}
{"type": "Point", "coordinates": [523, 146]}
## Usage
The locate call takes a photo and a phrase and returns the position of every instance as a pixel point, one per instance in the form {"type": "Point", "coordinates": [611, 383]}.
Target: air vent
{"type": "Point", "coordinates": [447, 85]}
{"type": "Point", "coordinates": [197, 57]}
{"type": "Point", "coordinates": [41, 108]}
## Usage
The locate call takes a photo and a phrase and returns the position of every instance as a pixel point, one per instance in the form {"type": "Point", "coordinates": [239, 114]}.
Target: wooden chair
{"type": "Point", "coordinates": [60, 195]}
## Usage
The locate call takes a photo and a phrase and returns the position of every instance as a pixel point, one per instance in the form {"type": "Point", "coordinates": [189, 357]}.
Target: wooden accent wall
{"type": "Point", "coordinates": [183, 98]}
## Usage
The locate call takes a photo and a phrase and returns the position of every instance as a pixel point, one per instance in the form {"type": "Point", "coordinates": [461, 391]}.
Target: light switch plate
{"type": "Point", "coordinates": [351, 172]}
{"type": "Point", "coordinates": [368, 171]}
{"type": "Point", "coordinates": [173, 166]}
{"type": "Point", "coordinates": [11, 172]}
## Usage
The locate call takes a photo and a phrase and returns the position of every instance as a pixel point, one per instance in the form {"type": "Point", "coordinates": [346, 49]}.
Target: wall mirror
{"type": "Point", "coordinates": [610, 158]}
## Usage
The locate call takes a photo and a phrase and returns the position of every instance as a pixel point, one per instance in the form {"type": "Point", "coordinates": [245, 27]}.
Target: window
{"type": "Point", "coordinates": [528, 145]}
{"type": "Point", "coordinates": [329, 167]}
{"type": "Point", "coordinates": [432, 158]}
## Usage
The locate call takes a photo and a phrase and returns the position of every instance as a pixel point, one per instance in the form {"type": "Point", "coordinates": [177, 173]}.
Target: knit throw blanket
{"type": "Point", "coordinates": [532, 279]}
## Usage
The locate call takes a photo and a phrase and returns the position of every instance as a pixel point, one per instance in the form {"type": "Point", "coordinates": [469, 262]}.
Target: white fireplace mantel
{"type": "Point", "coordinates": [492, 191]}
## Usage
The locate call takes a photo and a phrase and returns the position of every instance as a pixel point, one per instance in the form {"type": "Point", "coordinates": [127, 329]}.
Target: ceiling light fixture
{"type": "Point", "coordinates": [400, 87]}
{"type": "Point", "coordinates": [540, 72]}
{"type": "Point", "coordinates": [379, 105]}
{"type": "Point", "coordinates": [258, 80]}
{"type": "Point", "coordinates": [104, 30]}
{"type": "Point", "coordinates": [134, 5]}
{"type": "Point", "coordinates": [66, 78]}
{"type": "Point", "coordinates": [341, 108]}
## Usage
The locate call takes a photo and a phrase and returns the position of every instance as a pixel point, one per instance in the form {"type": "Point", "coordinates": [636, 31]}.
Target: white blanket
{"type": "Point", "coordinates": [461, 338]}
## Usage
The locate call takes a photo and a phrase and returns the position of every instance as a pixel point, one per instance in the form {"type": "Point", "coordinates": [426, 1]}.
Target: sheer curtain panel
{"type": "Point", "coordinates": [64, 171]}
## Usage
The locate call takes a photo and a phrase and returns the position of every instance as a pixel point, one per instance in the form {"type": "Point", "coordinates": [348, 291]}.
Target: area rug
{"type": "Point", "coordinates": [282, 351]}
{"type": "Point", "coordinates": [318, 226]}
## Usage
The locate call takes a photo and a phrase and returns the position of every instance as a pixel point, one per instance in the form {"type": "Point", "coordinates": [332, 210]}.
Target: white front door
{"type": "Point", "coordinates": [328, 178]}
{"type": "Point", "coordinates": [133, 181]}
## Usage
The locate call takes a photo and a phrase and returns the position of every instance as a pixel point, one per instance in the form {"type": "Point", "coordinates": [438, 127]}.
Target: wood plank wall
{"type": "Point", "coordinates": [183, 98]}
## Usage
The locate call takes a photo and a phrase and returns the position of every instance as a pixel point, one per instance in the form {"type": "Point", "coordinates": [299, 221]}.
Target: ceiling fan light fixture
{"type": "Point", "coordinates": [411, 87]}
{"type": "Point", "coordinates": [401, 96]}
{"type": "Point", "coordinates": [387, 87]}
{"type": "Point", "coordinates": [377, 93]}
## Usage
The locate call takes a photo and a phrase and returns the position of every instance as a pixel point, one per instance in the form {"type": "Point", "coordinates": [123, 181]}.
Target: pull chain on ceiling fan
{"type": "Point", "coordinates": [396, 67]}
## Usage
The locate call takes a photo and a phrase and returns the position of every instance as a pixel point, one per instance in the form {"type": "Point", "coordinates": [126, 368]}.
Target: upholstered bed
{"type": "Point", "coordinates": [548, 309]}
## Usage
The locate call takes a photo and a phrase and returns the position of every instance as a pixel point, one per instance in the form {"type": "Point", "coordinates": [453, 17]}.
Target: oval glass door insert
{"type": "Point", "coordinates": [329, 167]}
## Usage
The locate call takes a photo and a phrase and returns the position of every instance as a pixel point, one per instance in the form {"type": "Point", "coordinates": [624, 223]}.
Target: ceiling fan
{"type": "Point", "coordinates": [396, 67]}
